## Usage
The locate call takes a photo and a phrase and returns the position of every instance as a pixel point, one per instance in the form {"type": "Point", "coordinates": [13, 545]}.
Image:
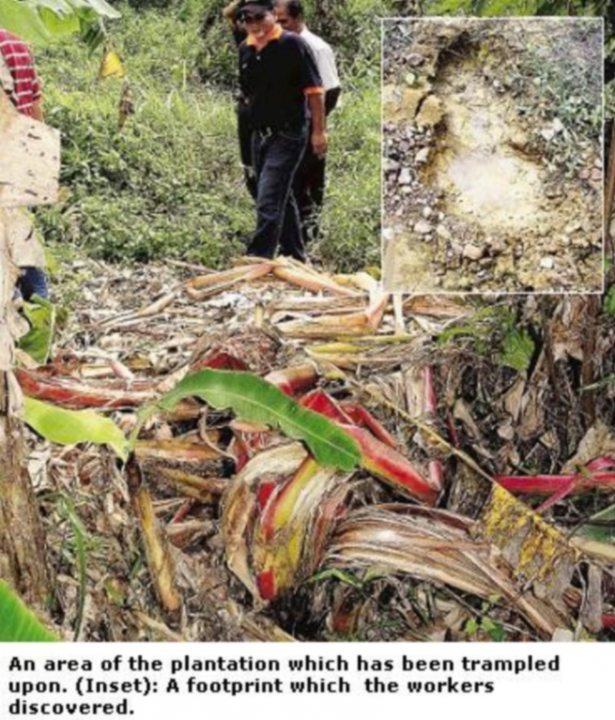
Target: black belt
{"type": "Point", "coordinates": [267, 131]}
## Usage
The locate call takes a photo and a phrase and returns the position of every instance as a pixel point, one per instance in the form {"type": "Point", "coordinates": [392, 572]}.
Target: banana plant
{"type": "Point", "coordinates": [40, 21]}
{"type": "Point", "coordinates": [17, 622]}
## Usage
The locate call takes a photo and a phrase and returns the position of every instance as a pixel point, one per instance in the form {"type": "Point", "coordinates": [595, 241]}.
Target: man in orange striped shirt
{"type": "Point", "coordinates": [19, 80]}
{"type": "Point", "coordinates": [23, 87]}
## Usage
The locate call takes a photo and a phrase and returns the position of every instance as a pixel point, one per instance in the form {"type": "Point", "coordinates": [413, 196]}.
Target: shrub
{"type": "Point", "coordinates": [170, 183]}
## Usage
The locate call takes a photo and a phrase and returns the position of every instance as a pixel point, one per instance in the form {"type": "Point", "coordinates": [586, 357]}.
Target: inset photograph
{"type": "Point", "coordinates": [492, 155]}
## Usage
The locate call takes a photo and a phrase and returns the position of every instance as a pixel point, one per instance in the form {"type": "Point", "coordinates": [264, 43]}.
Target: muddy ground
{"type": "Point", "coordinates": [492, 155]}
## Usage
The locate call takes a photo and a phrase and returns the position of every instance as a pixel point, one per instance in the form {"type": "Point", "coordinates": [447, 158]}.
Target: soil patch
{"type": "Point", "coordinates": [491, 184]}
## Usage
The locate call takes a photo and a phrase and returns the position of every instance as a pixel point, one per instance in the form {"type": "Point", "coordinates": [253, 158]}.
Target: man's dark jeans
{"type": "Point", "coordinates": [276, 156]}
{"type": "Point", "coordinates": [309, 192]}
{"type": "Point", "coordinates": [244, 133]}
{"type": "Point", "coordinates": [33, 281]}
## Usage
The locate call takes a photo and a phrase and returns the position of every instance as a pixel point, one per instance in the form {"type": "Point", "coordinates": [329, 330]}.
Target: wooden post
{"type": "Point", "coordinates": [29, 169]}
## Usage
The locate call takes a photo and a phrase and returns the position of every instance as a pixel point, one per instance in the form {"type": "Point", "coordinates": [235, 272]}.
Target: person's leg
{"type": "Point", "coordinates": [315, 190]}
{"type": "Point", "coordinates": [301, 190]}
{"type": "Point", "coordinates": [244, 133]}
{"type": "Point", "coordinates": [291, 238]}
{"type": "Point", "coordinates": [33, 281]}
{"type": "Point", "coordinates": [276, 160]}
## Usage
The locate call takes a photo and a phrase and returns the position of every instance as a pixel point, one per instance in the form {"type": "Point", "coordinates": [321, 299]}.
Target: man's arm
{"type": "Point", "coordinates": [314, 92]}
{"type": "Point", "coordinates": [316, 104]}
{"type": "Point", "coordinates": [37, 110]}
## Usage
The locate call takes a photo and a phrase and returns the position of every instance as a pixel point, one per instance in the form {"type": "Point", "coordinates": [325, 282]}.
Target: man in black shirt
{"type": "Point", "coordinates": [280, 82]}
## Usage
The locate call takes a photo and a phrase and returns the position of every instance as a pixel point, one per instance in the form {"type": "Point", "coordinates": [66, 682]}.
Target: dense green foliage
{"type": "Point", "coordinates": [169, 184]}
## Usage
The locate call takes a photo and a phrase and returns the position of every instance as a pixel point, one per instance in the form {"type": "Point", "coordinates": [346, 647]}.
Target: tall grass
{"type": "Point", "coordinates": [170, 183]}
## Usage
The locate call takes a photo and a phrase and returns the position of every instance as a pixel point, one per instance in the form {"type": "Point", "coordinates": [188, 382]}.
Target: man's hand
{"type": "Point", "coordinates": [319, 144]}
{"type": "Point", "coordinates": [318, 139]}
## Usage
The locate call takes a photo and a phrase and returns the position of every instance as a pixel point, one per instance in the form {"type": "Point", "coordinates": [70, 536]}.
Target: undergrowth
{"type": "Point", "coordinates": [169, 184]}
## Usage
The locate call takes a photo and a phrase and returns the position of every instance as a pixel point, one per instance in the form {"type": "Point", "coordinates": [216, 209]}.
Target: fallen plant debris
{"type": "Point", "coordinates": [230, 521]}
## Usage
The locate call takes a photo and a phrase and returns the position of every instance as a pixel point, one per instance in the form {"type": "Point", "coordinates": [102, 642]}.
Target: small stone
{"type": "Point", "coordinates": [410, 79]}
{"type": "Point", "coordinates": [574, 226]}
{"type": "Point", "coordinates": [391, 165]}
{"type": "Point", "coordinates": [553, 192]}
{"type": "Point", "coordinates": [506, 431]}
{"type": "Point", "coordinates": [427, 212]}
{"type": "Point", "coordinates": [414, 59]}
{"type": "Point", "coordinates": [422, 227]}
{"type": "Point", "coordinates": [404, 177]}
{"type": "Point", "coordinates": [422, 156]}
{"type": "Point", "coordinates": [547, 133]}
{"type": "Point", "coordinates": [596, 174]}
{"type": "Point", "coordinates": [497, 246]}
{"type": "Point", "coordinates": [518, 139]}
{"type": "Point", "coordinates": [547, 263]}
{"type": "Point", "coordinates": [443, 232]}
{"type": "Point", "coordinates": [431, 112]}
{"type": "Point", "coordinates": [388, 234]}
{"type": "Point", "coordinates": [472, 252]}
{"type": "Point", "coordinates": [406, 190]}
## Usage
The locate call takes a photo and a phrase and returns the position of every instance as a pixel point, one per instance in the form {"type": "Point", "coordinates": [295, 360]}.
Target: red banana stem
{"type": "Point", "coordinates": [76, 394]}
{"type": "Point", "coordinates": [292, 379]}
{"type": "Point", "coordinates": [220, 361]}
{"type": "Point", "coordinates": [391, 466]}
{"type": "Point", "coordinates": [362, 417]}
{"type": "Point", "coordinates": [321, 402]}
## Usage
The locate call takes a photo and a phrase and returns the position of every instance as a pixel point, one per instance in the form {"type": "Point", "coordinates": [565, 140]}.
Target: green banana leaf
{"type": "Point", "coordinates": [39, 21]}
{"type": "Point", "coordinates": [23, 20]}
{"type": "Point", "coordinates": [256, 400]}
{"type": "Point", "coordinates": [68, 427]}
{"type": "Point", "coordinates": [41, 315]}
{"type": "Point", "coordinates": [17, 622]}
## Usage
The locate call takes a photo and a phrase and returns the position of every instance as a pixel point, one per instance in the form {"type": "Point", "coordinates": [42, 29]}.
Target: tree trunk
{"type": "Point", "coordinates": [29, 166]}
{"type": "Point", "coordinates": [22, 542]}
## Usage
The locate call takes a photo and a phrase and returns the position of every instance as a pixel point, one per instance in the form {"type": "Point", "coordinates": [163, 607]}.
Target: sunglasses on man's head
{"type": "Point", "coordinates": [255, 16]}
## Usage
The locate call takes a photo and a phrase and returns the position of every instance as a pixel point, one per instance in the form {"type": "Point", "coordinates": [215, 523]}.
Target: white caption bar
{"type": "Point", "coordinates": [271, 681]}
